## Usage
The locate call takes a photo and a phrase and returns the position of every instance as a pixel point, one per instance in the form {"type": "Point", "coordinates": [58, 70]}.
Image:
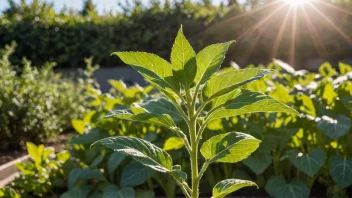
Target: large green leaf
{"type": "Point", "coordinates": [340, 170]}
{"type": "Point", "coordinates": [114, 161]}
{"type": "Point", "coordinates": [309, 163]}
{"type": "Point", "coordinates": [227, 82]}
{"type": "Point", "coordinates": [151, 66]}
{"type": "Point", "coordinates": [140, 150]}
{"type": "Point", "coordinates": [277, 187]}
{"type": "Point", "coordinates": [162, 106]}
{"type": "Point", "coordinates": [258, 163]}
{"type": "Point", "coordinates": [334, 128]}
{"type": "Point", "coordinates": [111, 191]}
{"type": "Point", "coordinates": [140, 114]}
{"type": "Point", "coordinates": [229, 147]}
{"type": "Point", "coordinates": [209, 60]}
{"type": "Point", "coordinates": [245, 101]}
{"type": "Point", "coordinates": [183, 60]}
{"type": "Point", "coordinates": [134, 174]}
{"type": "Point", "coordinates": [228, 186]}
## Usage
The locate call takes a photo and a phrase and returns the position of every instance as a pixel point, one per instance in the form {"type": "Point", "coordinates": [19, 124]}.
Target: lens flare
{"type": "Point", "coordinates": [296, 2]}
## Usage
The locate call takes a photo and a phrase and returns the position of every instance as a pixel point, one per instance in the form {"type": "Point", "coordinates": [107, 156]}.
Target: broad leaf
{"type": "Point", "coordinates": [134, 174]}
{"type": "Point", "coordinates": [114, 161]}
{"type": "Point", "coordinates": [227, 82]}
{"type": "Point", "coordinates": [278, 187]}
{"type": "Point", "coordinates": [111, 191]}
{"type": "Point", "coordinates": [142, 115]}
{"type": "Point", "coordinates": [183, 60]}
{"type": "Point", "coordinates": [162, 106]}
{"type": "Point", "coordinates": [209, 60]}
{"type": "Point", "coordinates": [151, 66]}
{"type": "Point", "coordinates": [173, 143]}
{"type": "Point", "coordinates": [228, 186]}
{"type": "Point", "coordinates": [229, 147]}
{"type": "Point", "coordinates": [258, 163]}
{"type": "Point", "coordinates": [309, 163]}
{"type": "Point", "coordinates": [340, 170]}
{"type": "Point", "coordinates": [97, 161]}
{"type": "Point", "coordinates": [140, 150]}
{"type": "Point", "coordinates": [73, 177]}
{"type": "Point", "coordinates": [334, 128]}
{"type": "Point", "coordinates": [245, 101]}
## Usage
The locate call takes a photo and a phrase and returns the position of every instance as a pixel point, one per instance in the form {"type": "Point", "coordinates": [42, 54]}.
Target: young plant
{"type": "Point", "coordinates": [195, 95]}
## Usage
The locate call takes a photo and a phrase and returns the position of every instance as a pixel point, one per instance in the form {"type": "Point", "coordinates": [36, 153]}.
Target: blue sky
{"type": "Point", "coordinates": [102, 5]}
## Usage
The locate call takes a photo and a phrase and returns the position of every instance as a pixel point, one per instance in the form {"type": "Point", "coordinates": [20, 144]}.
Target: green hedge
{"type": "Point", "coordinates": [67, 38]}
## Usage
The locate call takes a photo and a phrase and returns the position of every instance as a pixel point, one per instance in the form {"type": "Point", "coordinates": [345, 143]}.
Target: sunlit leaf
{"type": "Point", "coordinates": [173, 143]}
{"type": "Point", "coordinates": [227, 82]}
{"type": "Point", "coordinates": [209, 60]}
{"type": "Point", "coordinates": [183, 60]}
{"type": "Point", "coordinates": [245, 101]}
{"type": "Point", "coordinates": [79, 125]}
{"type": "Point", "coordinates": [151, 66]}
{"type": "Point", "coordinates": [228, 186]}
{"type": "Point", "coordinates": [140, 150]}
{"type": "Point", "coordinates": [229, 147]}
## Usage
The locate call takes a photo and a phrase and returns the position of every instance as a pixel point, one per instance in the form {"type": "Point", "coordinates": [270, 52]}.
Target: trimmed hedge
{"type": "Point", "coordinates": [67, 37]}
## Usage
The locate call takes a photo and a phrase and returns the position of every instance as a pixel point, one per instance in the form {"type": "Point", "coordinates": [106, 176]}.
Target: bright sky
{"type": "Point", "coordinates": [102, 5]}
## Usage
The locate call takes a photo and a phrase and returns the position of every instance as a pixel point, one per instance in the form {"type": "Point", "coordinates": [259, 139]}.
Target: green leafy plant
{"type": "Point", "coordinates": [35, 103]}
{"type": "Point", "coordinates": [43, 173]}
{"type": "Point", "coordinates": [195, 96]}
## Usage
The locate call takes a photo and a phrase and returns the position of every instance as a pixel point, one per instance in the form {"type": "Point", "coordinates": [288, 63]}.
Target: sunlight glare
{"type": "Point", "coordinates": [296, 2]}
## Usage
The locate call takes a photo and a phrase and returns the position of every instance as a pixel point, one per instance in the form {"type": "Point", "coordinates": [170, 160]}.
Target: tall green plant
{"type": "Point", "coordinates": [195, 95]}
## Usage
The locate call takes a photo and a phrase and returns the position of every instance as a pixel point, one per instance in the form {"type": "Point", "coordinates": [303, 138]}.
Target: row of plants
{"type": "Point", "coordinates": [45, 35]}
{"type": "Point", "coordinates": [303, 152]}
{"type": "Point", "coordinates": [35, 103]}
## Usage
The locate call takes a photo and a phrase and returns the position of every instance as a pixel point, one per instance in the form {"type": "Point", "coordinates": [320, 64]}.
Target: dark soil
{"type": "Point", "coordinates": [58, 143]}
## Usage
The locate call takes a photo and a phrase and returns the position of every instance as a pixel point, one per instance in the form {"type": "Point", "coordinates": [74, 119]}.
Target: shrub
{"type": "Point", "coordinates": [35, 103]}
{"type": "Point", "coordinates": [43, 174]}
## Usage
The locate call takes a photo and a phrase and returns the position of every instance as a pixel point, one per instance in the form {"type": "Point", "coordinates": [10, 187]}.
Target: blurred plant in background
{"type": "Point", "coordinates": [35, 103]}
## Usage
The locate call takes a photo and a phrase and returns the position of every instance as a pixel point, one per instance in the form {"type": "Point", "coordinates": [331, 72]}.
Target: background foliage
{"type": "Point", "coordinates": [306, 152]}
{"type": "Point", "coordinates": [68, 37]}
{"type": "Point", "coordinates": [36, 103]}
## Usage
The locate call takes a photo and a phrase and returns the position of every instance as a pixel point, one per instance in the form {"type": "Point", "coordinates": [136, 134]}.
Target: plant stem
{"type": "Point", "coordinates": [192, 124]}
{"type": "Point", "coordinates": [194, 159]}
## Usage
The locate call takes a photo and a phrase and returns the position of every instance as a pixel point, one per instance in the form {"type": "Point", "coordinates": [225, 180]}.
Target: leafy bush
{"type": "Point", "coordinates": [35, 103]}
{"type": "Point", "coordinates": [43, 174]}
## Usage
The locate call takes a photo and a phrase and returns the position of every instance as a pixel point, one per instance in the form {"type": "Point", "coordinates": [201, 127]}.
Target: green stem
{"type": "Point", "coordinates": [184, 190]}
{"type": "Point", "coordinates": [193, 137]}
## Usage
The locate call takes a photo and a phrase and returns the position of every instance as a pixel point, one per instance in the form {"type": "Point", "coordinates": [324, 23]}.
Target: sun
{"type": "Point", "coordinates": [296, 2]}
